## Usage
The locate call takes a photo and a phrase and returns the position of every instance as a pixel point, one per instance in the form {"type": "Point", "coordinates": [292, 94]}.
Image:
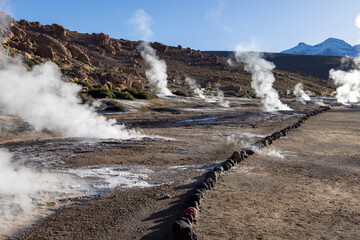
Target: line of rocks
{"type": "Point", "coordinates": [182, 228]}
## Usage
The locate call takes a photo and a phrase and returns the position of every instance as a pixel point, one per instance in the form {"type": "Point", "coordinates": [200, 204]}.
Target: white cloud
{"type": "Point", "coordinates": [357, 20]}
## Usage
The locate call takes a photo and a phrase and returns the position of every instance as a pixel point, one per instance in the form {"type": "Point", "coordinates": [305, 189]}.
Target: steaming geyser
{"type": "Point", "coordinates": [156, 72]}
{"type": "Point", "coordinates": [193, 86]}
{"type": "Point", "coordinates": [301, 96]}
{"type": "Point", "coordinates": [44, 100]}
{"type": "Point", "coordinates": [22, 189]}
{"type": "Point", "coordinates": [219, 98]}
{"type": "Point", "coordinates": [262, 78]}
{"type": "Point", "coordinates": [349, 89]}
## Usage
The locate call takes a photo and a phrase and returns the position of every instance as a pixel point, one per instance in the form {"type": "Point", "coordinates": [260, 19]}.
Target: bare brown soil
{"type": "Point", "coordinates": [311, 194]}
{"type": "Point", "coordinates": [265, 197]}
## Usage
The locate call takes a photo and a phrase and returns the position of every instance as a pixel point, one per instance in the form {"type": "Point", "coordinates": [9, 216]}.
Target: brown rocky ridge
{"type": "Point", "coordinates": [96, 59]}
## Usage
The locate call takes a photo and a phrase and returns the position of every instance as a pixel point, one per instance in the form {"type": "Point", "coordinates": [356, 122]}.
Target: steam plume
{"type": "Point", "coordinates": [22, 189]}
{"type": "Point", "coordinates": [349, 89]}
{"type": "Point", "coordinates": [301, 96]}
{"type": "Point", "coordinates": [142, 21]}
{"type": "Point", "coordinates": [46, 102]}
{"type": "Point", "coordinates": [193, 86]}
{"type": "Point", "coordinates": [262, 78]}
{"type": "Point", "coordinates": [218, 98]}
{"type": "Point", "coordinates": [156, 72]}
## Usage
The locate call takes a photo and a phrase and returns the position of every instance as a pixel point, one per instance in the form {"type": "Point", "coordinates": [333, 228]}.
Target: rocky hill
{"type": "Point", "coordinates": [98, 60]}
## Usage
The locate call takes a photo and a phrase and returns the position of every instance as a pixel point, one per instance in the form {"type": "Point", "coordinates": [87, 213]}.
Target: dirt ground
{"type": "Point", "coordinates": [310, 193]}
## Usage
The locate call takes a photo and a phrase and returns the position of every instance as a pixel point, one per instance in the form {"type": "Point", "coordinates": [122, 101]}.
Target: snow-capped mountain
{"type": "Point", "coordinates": [330, 47]}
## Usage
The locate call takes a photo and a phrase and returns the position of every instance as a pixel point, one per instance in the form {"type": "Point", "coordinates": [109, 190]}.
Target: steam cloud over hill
{"type": "Point", "coordinates": [42, 98]}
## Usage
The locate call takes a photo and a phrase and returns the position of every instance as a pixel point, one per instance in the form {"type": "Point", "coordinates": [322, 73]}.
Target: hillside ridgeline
{"type": "Point", "coordinates": [100, 63]}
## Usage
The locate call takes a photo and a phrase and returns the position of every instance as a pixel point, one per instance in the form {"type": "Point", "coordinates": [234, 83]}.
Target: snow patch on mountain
{"type": "Point", "coordinates": [330, 47]}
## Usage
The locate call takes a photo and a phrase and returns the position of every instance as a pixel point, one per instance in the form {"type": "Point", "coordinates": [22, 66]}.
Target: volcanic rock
{"type": "Point", "coordinates": [24, 23]}
{"type": "Point", "coordinates": [79, 54]}
{"type": "Point", "coordinates": [53, 43]}
{"type": "Point", "coordinates": [103, 39]}
{"type": "Point", "coordinates": [45, 51]}
{"type": "Point", "coordinates": [59, 31]}
{"type": "Point", "coordinates": [162, 48]}
{"type": "Point", "coordinates": [181, 224]}
{"type": "Point", "coordinates": [236, 157]}
{"type": "Point", "coordinates": [105, 53]}
{"type": "Point", "coordinates": [212, 175]}
{"type": "Point", "coordinates": [18, 32]}
{"type": "Point", "coordinates": [110, 49]}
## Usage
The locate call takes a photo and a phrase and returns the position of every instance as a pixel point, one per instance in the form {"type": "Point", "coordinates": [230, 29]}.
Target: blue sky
{"type": "Point", "coordinates": [203, 24]}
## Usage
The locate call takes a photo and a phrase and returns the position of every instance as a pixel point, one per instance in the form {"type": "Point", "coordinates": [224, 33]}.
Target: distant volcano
{"type": "Point", "coordinates": [330, 47]}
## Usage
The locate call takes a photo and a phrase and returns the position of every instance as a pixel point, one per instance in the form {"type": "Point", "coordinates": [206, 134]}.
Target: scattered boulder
{"type": "Point", "coordinates": [204, 186]}
{"type": "Point", "coordinates": [236, 157]}
{"type": "Point", "coordinates": [268, 140]}
{"type": "Point", "coordinates": [110, 49]}
{"type": "Point", "coordinates": [79, 54]}
{"type": "Point", "coordinates": [162, 48]}
{"type": "Point", "coordinates": [201, 190]}
{"type": "Point", "coordinates": [194, 204]}
{"type": "Point", "coordinates": [231, 162]}
{"type": "Point", "coordinates": [19, 33]}
{"type": "Point", "coordinates": [214, 175]}
{"type": "Point", "coordinates": [182, 224]}
{"type": "Point", "coordinates": [195, 197]}
{"type": "Point", "coordinates": [249, 152]}
{"type": "Point", "coordinates": [45, 51]}
{"type": "Point", "coordinates": [226, 166]}
{"type": "Point", "coordinates": [59, 31]}
{"type": "Point", "coordinates": [103, 39]}
{"type": "Point", "coordinates": [36, 24]}
{"type": "Point", "coordinates": [54, 44]}
{"type": "Point", "coordinates": [24, 47]}
{"type": "Point", "coordinates": [219, 169]}
{"type": "Point", "coordinates": [24, 23]}
{"type": "Point", "coordinates": [245, 155]}
{"type": "Point", "coordinates": [210, 183]}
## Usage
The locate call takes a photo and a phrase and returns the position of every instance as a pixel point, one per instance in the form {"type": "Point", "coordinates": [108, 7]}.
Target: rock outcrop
{"type": "Point", "coordinates": [99, 59]}
{"type": "Point", "coordinates": [77, 53]}
{"type": "Point", "coordinates": [59, 48]}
